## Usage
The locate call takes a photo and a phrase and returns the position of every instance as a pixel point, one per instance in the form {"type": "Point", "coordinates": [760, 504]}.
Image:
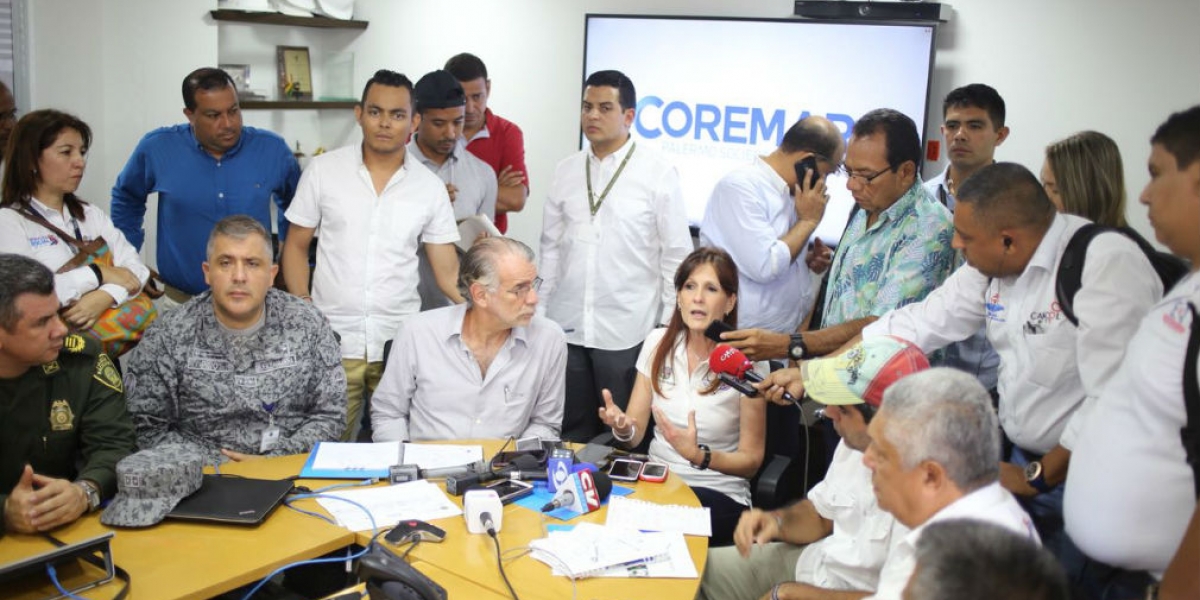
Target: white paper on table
{"type": "Point", "coordinates": [388, 505]}
{"type": "Point", "coordinates": [677, 565]}
{"type": "Point", "coordinates": [437, 456]}
{"type": "Point", "coordinates": [337, 456]}
{"type": "Point", "coordinates": [650, 516]}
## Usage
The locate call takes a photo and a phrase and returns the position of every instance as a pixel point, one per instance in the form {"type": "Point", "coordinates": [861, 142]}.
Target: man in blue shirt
{"type": "Point", "coordinates": [202, 171]}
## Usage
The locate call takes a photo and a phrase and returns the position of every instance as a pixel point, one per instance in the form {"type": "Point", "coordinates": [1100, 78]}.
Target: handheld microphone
{"type": "Point", "coordinates": [582, 492]}
{"type": "Point", "coordinates": [730, 362]}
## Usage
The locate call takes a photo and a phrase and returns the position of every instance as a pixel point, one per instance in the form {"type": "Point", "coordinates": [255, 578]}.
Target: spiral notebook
{"type": "Point", "coordinates": [590, 549]}
{"type": "Point", "coordinates": [648, 516]}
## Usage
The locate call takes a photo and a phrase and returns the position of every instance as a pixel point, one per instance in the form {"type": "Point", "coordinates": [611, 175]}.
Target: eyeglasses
{"type": "Point", "coordinates": [522, 291]}
{"type": "Point", "coordinates": [865, 179]}
{"type": "Point", "coordinates": [8, 115]}
{"type": "Point", "coordinates": [834, 168]}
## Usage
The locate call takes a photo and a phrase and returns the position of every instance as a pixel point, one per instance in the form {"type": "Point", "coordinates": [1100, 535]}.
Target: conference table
{"type": "Point", "coordinates": [188, 560]}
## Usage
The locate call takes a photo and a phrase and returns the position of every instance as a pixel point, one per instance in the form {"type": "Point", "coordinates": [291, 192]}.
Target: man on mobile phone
{"type": "Point", "coordinates": [895, 249]}
{"type": "Point", "coordinates": [764, 216]}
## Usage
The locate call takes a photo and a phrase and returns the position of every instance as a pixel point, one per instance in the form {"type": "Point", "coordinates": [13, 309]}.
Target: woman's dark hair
{"type": "Point", "coordinates": [727, 276]}
{"type": "Point", "coordinates": [34, 133]}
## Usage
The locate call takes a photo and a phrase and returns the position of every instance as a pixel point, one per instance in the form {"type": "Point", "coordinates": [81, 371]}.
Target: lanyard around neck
{"type": "Point", "coordinates": [594, 202]}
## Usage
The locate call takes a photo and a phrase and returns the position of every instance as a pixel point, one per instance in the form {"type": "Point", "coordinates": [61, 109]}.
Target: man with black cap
{"type": "Point", "coordinates": [375, 206]}
{"type": "Point", "coordinates": [440, 105]}
{"type": "Point", "coordinates": [837, 539]}
{"type": "Point", "coordinates": [63, 422]}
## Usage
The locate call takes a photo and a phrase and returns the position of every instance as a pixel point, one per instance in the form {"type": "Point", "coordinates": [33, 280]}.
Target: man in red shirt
{"type": "Point", "coordinates": [496, 141]}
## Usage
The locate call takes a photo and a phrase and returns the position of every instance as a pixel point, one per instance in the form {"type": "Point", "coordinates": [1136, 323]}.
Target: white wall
{"type": "Point", "coordinates": [1062, 66]}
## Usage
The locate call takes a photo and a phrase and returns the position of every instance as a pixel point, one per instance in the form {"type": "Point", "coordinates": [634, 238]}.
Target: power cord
{"type": "Point", "coordinates": [350, 556]}
{"type": "Point", "coordinates": [53, 573]}
{"type": "Point", "coordinates": [486, 519]}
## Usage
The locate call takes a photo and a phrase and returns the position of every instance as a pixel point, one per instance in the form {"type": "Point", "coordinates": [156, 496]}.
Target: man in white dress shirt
{"type": "Point", "coordinates": [763, 217]}
{"type": "Point", "coordinates": [1051, 370]}
{"type": "Point", "coordinates": [439, 101]}
{"type": "Point", "coordinates": [1131, 502]}
{"type": "Point", "coordinates": [489, 369]}
{"type": "Point", "coordinates": [934, 456]}
{"type": "Point", "coordinates": [838, 537]}
{"type": "Point", "coordinates": [614, 230]}
{"type": "Point", "coordinates": [373, 205]}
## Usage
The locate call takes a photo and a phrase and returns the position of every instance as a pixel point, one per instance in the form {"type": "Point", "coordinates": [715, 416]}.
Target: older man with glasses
{"type": "Point", "coordinates": [486, 369]}
{"type": "Point", "coordinates": [895, 250]}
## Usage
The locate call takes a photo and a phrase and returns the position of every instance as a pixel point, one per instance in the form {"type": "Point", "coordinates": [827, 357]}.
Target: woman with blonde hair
{"type": "Point", "coordinates": [1084, 176]}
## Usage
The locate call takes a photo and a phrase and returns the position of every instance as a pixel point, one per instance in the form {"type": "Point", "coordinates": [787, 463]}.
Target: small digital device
{"type": "Point", "coordinates": [509, 489]}
{"type": "Point", "coordinates": [807, 167]}
{"type": "Point", "coordinates": [715, 329]}
{"type": "Point", "coordinates": [532, 442]}
{"type": "Point", "coordinates": [654, 472]}
{"type": "Point", "coordinates": [403, 473]}
{"type": "Point", "coordinates": [624, 469]}
{"type": "Point", "coordinates": [412, 530]}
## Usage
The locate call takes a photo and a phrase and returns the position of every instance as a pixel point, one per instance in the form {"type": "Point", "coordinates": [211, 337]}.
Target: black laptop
{"type": "Point", "coordinates": [233, 500]}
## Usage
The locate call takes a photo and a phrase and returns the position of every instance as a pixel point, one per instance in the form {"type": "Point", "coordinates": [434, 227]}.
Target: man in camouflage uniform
{"type": "Point", "coordinates": [242, 369]}
{"type": "Point", "coordinates": [63, 423]}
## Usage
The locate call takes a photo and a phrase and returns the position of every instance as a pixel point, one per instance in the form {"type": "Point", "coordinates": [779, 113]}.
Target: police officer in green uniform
{"type": "Point", "coordinates": [63, 421]}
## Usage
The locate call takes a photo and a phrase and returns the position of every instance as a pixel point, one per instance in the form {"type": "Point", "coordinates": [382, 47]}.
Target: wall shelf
{"type": "Point", "coordinates": [294, 104]}
{"type": "Point", "coordinates": [282, 19]}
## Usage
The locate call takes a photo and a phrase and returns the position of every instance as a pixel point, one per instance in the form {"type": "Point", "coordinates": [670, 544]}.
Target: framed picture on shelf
{"type": "Point", "coordinates": [240, 75]}
{"type": "Point", "coordinates": [295, 73]}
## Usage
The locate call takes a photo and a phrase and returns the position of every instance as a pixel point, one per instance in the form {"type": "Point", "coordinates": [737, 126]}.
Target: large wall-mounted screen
{"type": "Point", "coordinates": [714, 92]}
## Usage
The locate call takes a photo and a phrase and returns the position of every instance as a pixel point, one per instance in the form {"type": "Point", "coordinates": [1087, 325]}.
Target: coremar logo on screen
{"type": "Point", "coordinates": [709, 122]}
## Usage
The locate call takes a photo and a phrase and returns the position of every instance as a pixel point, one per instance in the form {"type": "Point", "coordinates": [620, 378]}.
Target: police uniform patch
{"type": "Point", "coordinates": [74, 343]}
{"type": "Point", "coordinates": [106, 373]}
{"type": "Point", "coordinates": [51, 367]}
{"type": "Point", "coordinates": [61, 417]}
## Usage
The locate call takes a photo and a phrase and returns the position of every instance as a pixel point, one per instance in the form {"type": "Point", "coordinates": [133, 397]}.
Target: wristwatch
{"type": "Point", "coordinates": [1036, 477]}
{"type": "Point", "coordinates": [707, 457]}
{"type": "Point", "coordinates": [797, 349]}
{"type": "Point", "coordinates": [91, 492]}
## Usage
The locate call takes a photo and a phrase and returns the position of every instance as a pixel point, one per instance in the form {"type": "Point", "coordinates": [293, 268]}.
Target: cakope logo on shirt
{"type": "Point", "coordinates": [995, 310]}
{"type": "Point", "coordinates": [1179, 318]}
{"type": "Point", "coordinates": [1040, 320]}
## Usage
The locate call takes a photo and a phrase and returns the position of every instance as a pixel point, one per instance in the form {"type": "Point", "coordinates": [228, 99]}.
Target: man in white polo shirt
{"type": "Point", "coordinates": [838, 537]}
{"type": "Point", "coordinates": [934, 456]}
{"type": "Point", "coordinates": [1131, 503]}
{"type": "Point", "coordinates": [1051, 369]}
{"type": "Point", "coordinates": [374, 205]}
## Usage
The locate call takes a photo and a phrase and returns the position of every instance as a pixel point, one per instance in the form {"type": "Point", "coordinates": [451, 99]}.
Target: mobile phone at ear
{"type": "Point", "coordinates": [715, 329]}
{"type": "Point", "coordinates": [807, 167]}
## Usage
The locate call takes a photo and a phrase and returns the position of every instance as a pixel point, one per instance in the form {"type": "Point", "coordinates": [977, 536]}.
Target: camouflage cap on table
{"type": "Point", "coordinates": [151, 482]}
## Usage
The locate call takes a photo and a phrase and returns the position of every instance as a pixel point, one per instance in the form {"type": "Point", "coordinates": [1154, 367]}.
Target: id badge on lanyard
{"type": "Point", "coordinates": [270, 435]}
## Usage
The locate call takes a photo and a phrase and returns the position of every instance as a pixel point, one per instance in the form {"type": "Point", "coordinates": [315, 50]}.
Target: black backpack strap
{"type": "Point", "coordinates": [1191, 399]}
{"type": "Point", "coordinates": [1070, 269]}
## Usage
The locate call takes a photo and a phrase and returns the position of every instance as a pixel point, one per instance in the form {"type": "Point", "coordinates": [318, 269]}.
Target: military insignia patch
{"type": "Point", "coordinates": [51, 367]}
{"type": "Point", "coordinates": [61, 417]}
{"type": "Point", "coordinates": [73, 343]}
{"type": "Point", "coordinates": [106, 373]}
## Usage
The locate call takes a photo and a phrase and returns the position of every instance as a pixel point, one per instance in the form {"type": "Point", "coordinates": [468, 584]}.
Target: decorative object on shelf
{"type": "Point", "coordinates": [240, 74]}
{"type": "Point", "coordinates": [336, 9]}
{"type": "Point", "coordinates": [337, 83]}
{"type": "Point", "coordinates": [295, 72]}
{"type": "Point", "coordinates": [295, 8]}
{"type": "Point", "coordinates": [246, 5]}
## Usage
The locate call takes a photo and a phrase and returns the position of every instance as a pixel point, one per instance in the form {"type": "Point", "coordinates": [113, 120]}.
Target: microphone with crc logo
{"type": "Point", "coordinates": [582, 492]}
{"type": "Point", "coordinates": [732, 366]}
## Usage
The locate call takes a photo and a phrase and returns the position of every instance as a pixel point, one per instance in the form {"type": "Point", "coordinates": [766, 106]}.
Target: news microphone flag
{"type": "Point", "coordinates": [582, 492]}
{"type": "Point", "coordinates": [727, 360]}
